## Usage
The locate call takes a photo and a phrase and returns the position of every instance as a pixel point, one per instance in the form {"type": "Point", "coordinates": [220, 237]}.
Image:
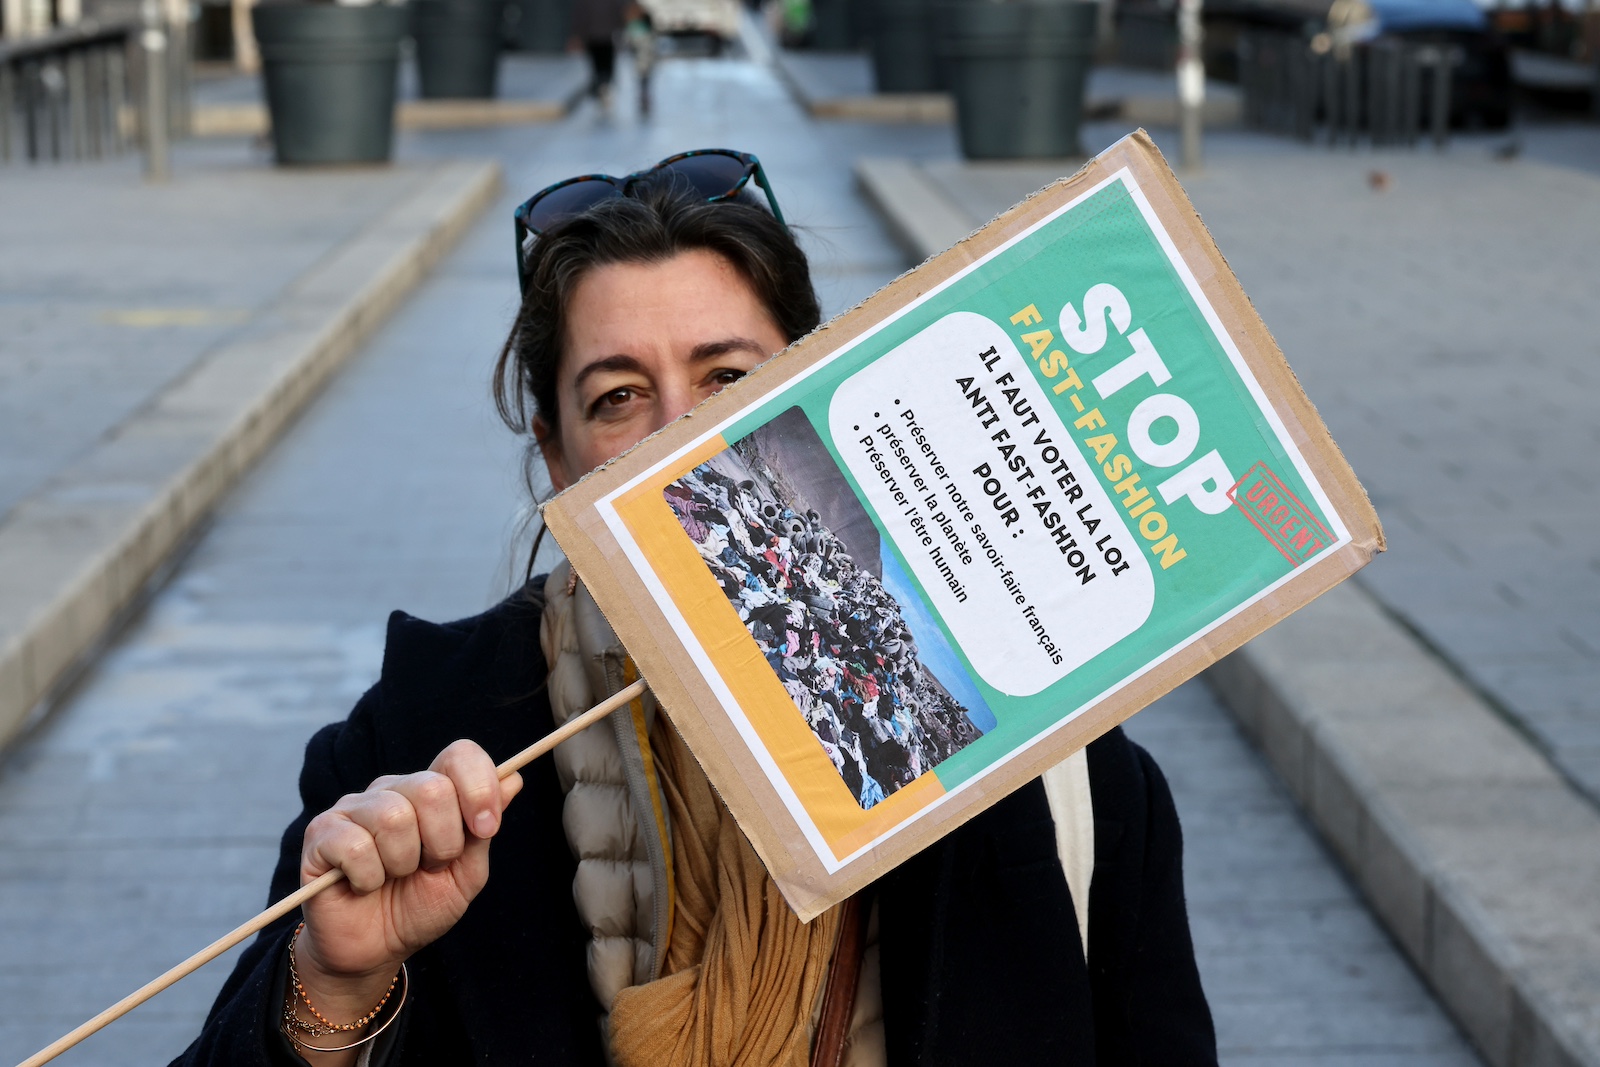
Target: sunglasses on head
{"type": "Point", "coordinates": [712, 173]}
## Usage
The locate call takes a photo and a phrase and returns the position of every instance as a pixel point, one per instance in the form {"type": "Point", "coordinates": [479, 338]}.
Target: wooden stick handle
{"type": "Point", "coordinates": [307, 891]}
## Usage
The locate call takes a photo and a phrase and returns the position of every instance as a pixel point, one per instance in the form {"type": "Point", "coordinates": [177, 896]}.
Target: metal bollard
{"type": "Point", "coordinates": [8, 103]}
{"type": "Point", "coordinates": [53, 89]}
{"type": "Point", "coordinates": [1441, 59]}
{"type": "Point", "coordinates": [1191, 80]}
{"type": "Point", "coordinates": [1410, 97]}
{"type": "Point", "coordinates": [117, 95]}
{"type": "Point", "coordinates": [179, 75]}
{"type": "Point", "coordinates": [1384, 93]}
{"type": "Point", "coordinates": [1272, 71]}
{"type": "Point", "coordinates": [153, 42]}
{"type": "Point", "coordinates": [1249, 100]}
{"type": "Point", "coordinates": [1352, 96]}
{"type": "Point", "coordinates": [78, 103]}
{"type": "Point", "coordinates": [29, 75]}
{"type": "Point", "coordinates": [94, 64]}
{"type": "Point", "coordinates": [1304, 80]}
{"type": "Point", "coordinates": [1377, 105]}
{"type": "Point", "coordinates": [1331, 96]}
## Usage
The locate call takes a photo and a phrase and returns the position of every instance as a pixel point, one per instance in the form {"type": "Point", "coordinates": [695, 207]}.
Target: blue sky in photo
{"type": "Point", "coordinates": [934, 651]}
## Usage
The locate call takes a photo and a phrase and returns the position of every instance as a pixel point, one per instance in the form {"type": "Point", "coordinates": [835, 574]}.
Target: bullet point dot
{"type": "Point", "coordinates": [855, 427]}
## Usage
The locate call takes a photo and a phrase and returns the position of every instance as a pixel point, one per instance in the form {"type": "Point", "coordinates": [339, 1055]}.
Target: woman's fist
{"type": "Point", "coordinates": [415, 852]}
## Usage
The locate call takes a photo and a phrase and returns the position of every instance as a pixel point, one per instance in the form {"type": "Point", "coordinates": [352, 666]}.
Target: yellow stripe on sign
{"type": "Point", "coordinates": [744, 670]}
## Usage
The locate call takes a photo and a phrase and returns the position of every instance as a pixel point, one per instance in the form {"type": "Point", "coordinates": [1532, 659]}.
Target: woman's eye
{"type": "Point", "coordinates": [726, 377]}
{"type": "Point", "coordinates": [611, 402]}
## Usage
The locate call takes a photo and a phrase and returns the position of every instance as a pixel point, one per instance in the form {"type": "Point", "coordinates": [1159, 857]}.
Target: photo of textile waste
{"type": "Point", "coordinates": [836, 638]}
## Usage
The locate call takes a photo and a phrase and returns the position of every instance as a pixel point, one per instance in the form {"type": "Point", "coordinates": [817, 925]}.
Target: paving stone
{"type": "Point", "coordinates": [1293, 963]}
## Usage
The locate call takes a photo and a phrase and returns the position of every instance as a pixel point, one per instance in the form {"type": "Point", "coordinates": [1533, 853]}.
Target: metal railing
{"type": "Point", "coordinates": [62, 93]}
{"type": "Point", "coordinates": [1387, 91]}
{"type": "Point", "coordinates": [94, 89]}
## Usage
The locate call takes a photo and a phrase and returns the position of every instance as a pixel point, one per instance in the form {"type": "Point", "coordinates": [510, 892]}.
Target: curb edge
{"type": "Point", "coordinates": [77, 614]}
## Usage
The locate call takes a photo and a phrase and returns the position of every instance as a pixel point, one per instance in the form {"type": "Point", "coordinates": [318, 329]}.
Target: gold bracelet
{"type": "Point", "coordinates": [293, 1025]}
{"type": "Point", "coordinates": [355, 1044]}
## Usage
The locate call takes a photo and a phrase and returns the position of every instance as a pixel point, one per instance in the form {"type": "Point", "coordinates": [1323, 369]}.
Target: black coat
{"type": "Point", "coordinates": [979, 945]}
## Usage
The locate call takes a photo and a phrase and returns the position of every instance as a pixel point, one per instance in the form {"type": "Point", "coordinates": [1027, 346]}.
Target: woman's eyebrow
{"type": "Point", "coordinates": [713, 349]}
{"type": "Point", "coordinates": [619, 363]}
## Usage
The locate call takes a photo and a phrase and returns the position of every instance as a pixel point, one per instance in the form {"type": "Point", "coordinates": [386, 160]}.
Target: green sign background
{"type": "Point", "coordinates": [1104, 238]}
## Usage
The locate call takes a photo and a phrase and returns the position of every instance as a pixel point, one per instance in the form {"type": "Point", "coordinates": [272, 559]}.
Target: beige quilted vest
{"type": "Point", "coordinates": [614, 814]}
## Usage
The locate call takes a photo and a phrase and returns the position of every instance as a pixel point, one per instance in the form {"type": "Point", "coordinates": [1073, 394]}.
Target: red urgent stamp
{"type": "Point", "coordinates": [1285, 520]}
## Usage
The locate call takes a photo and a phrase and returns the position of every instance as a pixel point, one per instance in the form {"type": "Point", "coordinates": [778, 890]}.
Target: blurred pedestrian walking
{"type": "Point", "coordinates": [595, 25]}
{"type": "Point", "coordinates": [641, 40]}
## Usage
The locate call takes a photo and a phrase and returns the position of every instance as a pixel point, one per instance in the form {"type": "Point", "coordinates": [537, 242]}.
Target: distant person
{"type": "Point", "coordinates": [595, 25]}
{"type": "Point", "coordinates": [1349, 23]}
{"type": "Point", "coordinates": [641, 38]}
{"type": "Point", "coordinates": [628, 922]}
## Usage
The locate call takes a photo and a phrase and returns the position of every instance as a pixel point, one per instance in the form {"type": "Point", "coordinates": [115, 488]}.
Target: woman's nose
{"type": "Point", "coordinates": [675, 399]}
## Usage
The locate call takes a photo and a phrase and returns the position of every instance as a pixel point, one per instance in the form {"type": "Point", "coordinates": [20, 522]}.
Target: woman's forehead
{"type": "Point", "coordinates": [667, 308]}
{"type": "Point", "coordinates": [687, 279]}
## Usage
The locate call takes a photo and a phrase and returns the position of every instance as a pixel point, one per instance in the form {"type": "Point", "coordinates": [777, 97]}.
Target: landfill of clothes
{"type": "Point", "coordinates": [830, 630]}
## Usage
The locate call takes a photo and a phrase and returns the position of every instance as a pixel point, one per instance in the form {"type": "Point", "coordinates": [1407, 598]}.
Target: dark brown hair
{"type": "Point", "coordinates": [646, 229]}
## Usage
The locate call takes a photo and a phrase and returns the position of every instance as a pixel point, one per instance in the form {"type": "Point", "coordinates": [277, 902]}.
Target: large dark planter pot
{"type": "Point", "coordinates": [329, 74]}
{"type": "Point", "coordinates": [458, 47]}
{"type": "Point", "coordinates": [861, 19]}
{"type": "Point", "coordinates": [1017, 70]}
{"type": "Point", "coordinates": [541, 25]}
{"type": "Point", "coordinates": [902, 46]}
{"type": "Point", "coordinates": [834, 25]}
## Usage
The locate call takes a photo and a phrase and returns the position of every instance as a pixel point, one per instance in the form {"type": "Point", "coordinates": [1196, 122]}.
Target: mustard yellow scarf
{"type": "Point", "coordinates": [743, 975]}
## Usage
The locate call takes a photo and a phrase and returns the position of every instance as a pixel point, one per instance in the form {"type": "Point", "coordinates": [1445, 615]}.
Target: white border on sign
{"type": "Point", "coordinates": [802, 819]}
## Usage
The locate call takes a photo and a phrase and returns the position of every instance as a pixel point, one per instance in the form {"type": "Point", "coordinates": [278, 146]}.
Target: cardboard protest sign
{"type": "Point", "coordinates": [968, 526]}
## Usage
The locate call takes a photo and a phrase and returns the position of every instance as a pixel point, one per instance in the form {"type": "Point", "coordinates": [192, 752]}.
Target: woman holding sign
{"type": "Point", "coordinates": [628, 920]}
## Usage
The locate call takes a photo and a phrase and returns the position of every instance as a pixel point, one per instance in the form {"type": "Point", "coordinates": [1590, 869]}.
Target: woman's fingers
{"type": "Point", "coordinates": [378, 834]}
{"type": "Point", "coordinates": [477, 785]}
{"type": "Point", "coordinates": [390, 819]}
{"type": "Point", "coordinates": [335, 839]}
{"type": "Point", "coordinates": [402, 822]}
{"type": "Point", "coordinates": [434, 798]}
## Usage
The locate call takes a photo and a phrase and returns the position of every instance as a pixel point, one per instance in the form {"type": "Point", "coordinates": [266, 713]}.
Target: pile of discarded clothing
{"type": "Point", "coordinates": [832, 633]}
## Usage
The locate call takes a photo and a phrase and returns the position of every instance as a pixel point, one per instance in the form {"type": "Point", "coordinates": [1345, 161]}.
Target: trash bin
{"type": "Point", "coordinates": [329, 74]}
{"type": "Point", "coordinates": [834, 25]}
{"type": "Point", "coordinates": [902, 46]}
{"type": "Point", "coordinates": [541, 25]}
{"type": "Point", "coordinates": [860, 22]}
{"type": "Point", "coordinates": [458, 47]}
{"type": "Point", "coordinates": [1017, 70]}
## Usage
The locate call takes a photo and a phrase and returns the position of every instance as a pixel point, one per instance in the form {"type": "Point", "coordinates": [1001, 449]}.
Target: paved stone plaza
{"type": "Point", "coordinates": [141, 818]}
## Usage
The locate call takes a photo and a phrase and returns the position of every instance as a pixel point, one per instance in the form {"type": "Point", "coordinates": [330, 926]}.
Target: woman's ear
{"type": "Point", "coordinates": [550, 447]}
